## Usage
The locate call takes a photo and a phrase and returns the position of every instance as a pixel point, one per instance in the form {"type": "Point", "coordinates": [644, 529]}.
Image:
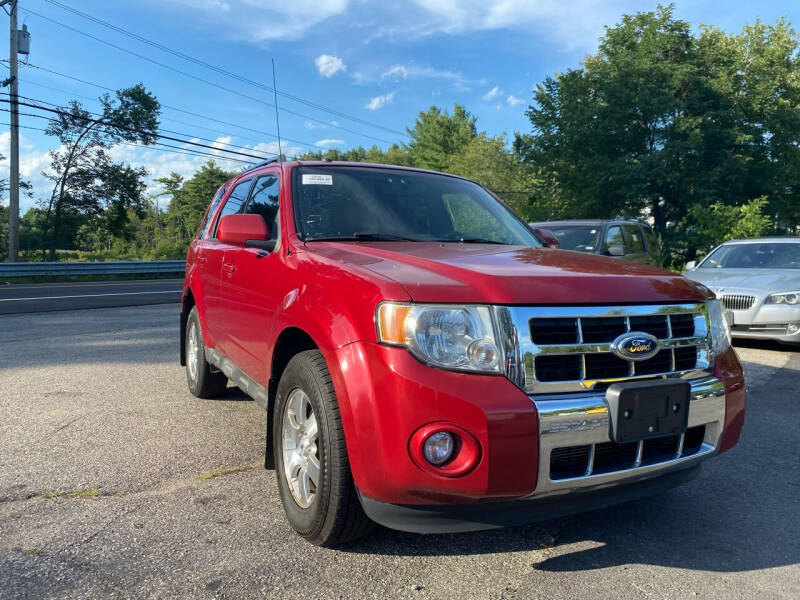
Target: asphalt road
{"type": "Point", "coordinates": [116, 482]}
{"type": "Point", "coordinates": [45, 297]}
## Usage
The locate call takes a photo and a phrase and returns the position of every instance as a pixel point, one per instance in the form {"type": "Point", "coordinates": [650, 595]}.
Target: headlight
{"type": "Point", "coordinates": [792, 298]}
{"type": "Point", "coordinates": [451, 337]}
{"type": "Point", "coordinates": [719, 329]}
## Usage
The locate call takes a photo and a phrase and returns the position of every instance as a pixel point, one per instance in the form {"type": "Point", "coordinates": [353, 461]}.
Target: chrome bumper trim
{"type": "Point", "coordinates": [582, 419]}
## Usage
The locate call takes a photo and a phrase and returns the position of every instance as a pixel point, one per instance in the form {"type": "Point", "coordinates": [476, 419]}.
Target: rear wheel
{"type": "Point", "coordinates": [314, 480]}
{"type": "Point", "coordinates": [202, 380]}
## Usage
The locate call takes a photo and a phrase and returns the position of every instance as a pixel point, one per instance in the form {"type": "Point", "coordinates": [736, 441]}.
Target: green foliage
{"type": "Point", "coordinates": [720, 222]}
{"type": "Point", "coordinates": [438, 136]}
{"type": "Point", "coordinates": [85, 180]}
{"type": "Point", "coordinates": [661, 120]}
{"type": "Point", "coordinates": [489, 161]}
{"type": "Point", "coordinates": [394, 155]}
{"type": "Point", "coordinates": [190, 199]}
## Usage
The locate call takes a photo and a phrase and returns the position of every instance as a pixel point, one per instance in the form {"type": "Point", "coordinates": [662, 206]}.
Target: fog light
{"type": "Point", "coordinates": [793, 328]}
{"type": "Point", "coordinates": [438, 448]}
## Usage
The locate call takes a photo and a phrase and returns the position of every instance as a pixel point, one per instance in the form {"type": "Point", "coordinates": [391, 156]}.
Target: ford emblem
{"type": "Point", "coordinates": [635, 345]}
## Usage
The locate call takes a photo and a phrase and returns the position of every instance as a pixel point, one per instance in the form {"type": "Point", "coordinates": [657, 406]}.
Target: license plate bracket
{"type": "Point", "coordinates": [641, 410]}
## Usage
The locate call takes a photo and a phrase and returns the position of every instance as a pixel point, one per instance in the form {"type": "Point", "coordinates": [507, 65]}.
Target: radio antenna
{"type": "Point", "coordinates": [277, 118]}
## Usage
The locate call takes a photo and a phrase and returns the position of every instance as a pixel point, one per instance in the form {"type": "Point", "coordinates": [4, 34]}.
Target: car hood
{"type": "Point", "coordinates": [492, 274]}
{"type": "Point", "coordinates": [759, 280]}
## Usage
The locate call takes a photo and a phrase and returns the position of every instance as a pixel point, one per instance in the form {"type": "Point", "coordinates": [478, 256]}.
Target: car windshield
{"type": "Point", "coordinates": [754, 256]}
{"type": "Point", "coordinates": [383, 204]}
{"type": "Point", "coordinates": [584, 238]}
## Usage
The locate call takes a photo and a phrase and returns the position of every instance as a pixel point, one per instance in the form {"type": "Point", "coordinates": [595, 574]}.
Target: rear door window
{"type": "Point", "coordinates": [633, 239]}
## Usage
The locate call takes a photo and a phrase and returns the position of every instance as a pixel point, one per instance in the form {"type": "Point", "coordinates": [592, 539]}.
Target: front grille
{"type": "Point", "coordinates": [599, 459]}
{"type": "Point", "coordinates": [738, 301]}
{"type": "Point", "coordinates": [577, 348]}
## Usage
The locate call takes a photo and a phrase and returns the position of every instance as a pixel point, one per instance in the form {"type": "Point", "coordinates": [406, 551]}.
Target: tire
{"type": "Point", "coordinates": [326, 512]}
{"type": "Point", "coordinates": [202, 381]}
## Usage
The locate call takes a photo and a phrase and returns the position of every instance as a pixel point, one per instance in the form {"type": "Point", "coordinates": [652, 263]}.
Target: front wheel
{"type": "Point", "coordinates": [313, 471]}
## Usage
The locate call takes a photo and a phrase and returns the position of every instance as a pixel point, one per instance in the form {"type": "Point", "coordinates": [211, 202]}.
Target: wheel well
{"type": "Point", "coordinates": [187, 302]}
{"type": "Point", "coordinates": [290, 342]}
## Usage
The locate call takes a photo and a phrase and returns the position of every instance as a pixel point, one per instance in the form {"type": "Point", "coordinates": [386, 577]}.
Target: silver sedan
{"type": "Point", "coordinates": [758, 280]}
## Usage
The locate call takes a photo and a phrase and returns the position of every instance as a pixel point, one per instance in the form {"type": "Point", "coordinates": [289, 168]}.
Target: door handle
{"type": "Point", "coordinates": [228, 267]}
{"type": "Point", "coordinates": [202, 260]}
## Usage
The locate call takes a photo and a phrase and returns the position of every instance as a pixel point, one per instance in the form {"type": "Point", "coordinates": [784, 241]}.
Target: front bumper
{"type": "Point", "coordinates": [779, 322]}
{"type": "Point", "coordinates": [385, 395]}
{"type": "Point", "coordinates": [576, 421]}
{"type": "Point", "coordinates": [480, 516]}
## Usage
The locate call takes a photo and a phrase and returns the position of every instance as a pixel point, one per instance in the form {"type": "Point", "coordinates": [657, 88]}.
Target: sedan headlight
{"type": "Point", "coordinates": [719, 329]}
{"type": "Point", "coordinates": [451, 337]}
{"type": "Point", "coordinates": [792, 298]}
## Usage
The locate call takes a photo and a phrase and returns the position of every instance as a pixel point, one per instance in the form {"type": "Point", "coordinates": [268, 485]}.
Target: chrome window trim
{"type": "Point", "coordinates": [520, 351]}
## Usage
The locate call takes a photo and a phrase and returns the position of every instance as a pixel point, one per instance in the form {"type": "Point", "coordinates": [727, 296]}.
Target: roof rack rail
{"type": "Point", "coordinates": [263, 163]}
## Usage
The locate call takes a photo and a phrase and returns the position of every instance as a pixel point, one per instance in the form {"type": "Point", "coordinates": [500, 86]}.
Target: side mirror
{"type": "Point", "coordinates": [245, 230]}
{"type": "Point", "coordinates": [691, 265]}
{"type": "Point", "coordinates": [616, 250]}
{"type": "Point", "coordinates": [548, 237]}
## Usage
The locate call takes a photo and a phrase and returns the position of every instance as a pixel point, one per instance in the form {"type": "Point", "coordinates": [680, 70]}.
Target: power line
{"type": "Point", "coordinates": [189, 135]}
{"type": "Point", "coordinates": [161, 117]}
{"type": "Point", "coordinates": [133, 130]}
{"type": "Point", "coordinates": [167, 106]}
{"type": "Point", "coordinates": [162, 147]}
{"type": "Point", "coordinates": [220, 70]}
{"type": "Point", "coordinates": [200, 79]}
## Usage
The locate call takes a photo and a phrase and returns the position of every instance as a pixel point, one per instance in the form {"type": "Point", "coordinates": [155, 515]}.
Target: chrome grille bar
{"type": "Point", "coordinates": [738, 301]}
{"type": "Point", "coordinates": [520, 357]}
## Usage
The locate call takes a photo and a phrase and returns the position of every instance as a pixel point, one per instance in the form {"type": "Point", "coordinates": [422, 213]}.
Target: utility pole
{"type": "Point", "coordinates": [13, 192]}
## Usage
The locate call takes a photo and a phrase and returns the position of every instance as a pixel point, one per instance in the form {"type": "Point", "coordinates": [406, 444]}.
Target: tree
{"type": "Point", "coordinates": [490, 162]}
{"type": "Point", "coordinates": [660, 121]}
{"type": "Point", "coordinates": [85, 179]}
{"type": "Point", "coordinates": [394, 155]}
{"type": "Point", "coordinates": [437, 136]}
{"type": "Point", "coordinates": [191, 198]}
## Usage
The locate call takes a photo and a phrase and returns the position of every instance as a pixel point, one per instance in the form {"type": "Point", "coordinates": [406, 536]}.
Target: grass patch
{"type": "Point", "coordinates": [80, 494]}
{"type": "Point", "coordinates": [225, 471]}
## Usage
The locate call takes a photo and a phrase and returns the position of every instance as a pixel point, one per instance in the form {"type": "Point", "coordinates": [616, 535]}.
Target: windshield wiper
{"type": "Point", "coordinates": [365, 237]}
{"type": "Point", "coordinates": [473, 240]}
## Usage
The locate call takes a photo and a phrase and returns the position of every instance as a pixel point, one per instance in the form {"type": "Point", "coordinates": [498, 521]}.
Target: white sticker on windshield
{"type": "Point", "coordinates": [312, 179]}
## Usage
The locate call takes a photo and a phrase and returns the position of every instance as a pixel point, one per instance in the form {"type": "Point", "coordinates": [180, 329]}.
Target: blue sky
{"type": "Point", "coordinates": [377, 63]}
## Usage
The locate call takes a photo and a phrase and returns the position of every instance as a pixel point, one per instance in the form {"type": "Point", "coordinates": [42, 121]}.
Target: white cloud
{"type": "Point", "coordinates": [256, 20]}
{"type": "Point", "coordinates": [512, 100]}
{"type": "Point", "coordinates": [574, 24]}
{"type": "Point", "coordinates": [492, 93]}
{"type": "Point", "coordinates": [379, 101]}
{"type": "Point", "coordinates": [412, 71]}
{"type": "Point", "coordinates": [329, 65]}
{"type": "Point", "coordinates": [328, 143]}
{"type": "Point", "coordinates": [396, 72]}
{"type": "Point", "coordinates": [313, 125]}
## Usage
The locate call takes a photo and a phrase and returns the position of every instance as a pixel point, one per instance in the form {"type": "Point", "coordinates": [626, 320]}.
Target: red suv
{"type": "Point", "coordinates": [427, 364]}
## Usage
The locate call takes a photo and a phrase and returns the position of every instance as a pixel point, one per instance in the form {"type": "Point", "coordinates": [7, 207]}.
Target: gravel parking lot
{"type": "Point", "coordinates": [115, 482]}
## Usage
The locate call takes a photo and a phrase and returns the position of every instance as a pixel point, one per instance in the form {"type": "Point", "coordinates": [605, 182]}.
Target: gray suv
{"type": "Point", "coordinates": [631, 240]}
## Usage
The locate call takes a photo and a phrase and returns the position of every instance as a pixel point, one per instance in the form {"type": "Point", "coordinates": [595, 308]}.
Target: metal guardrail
{"type": "Point", "coordinates": [122, 267]}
